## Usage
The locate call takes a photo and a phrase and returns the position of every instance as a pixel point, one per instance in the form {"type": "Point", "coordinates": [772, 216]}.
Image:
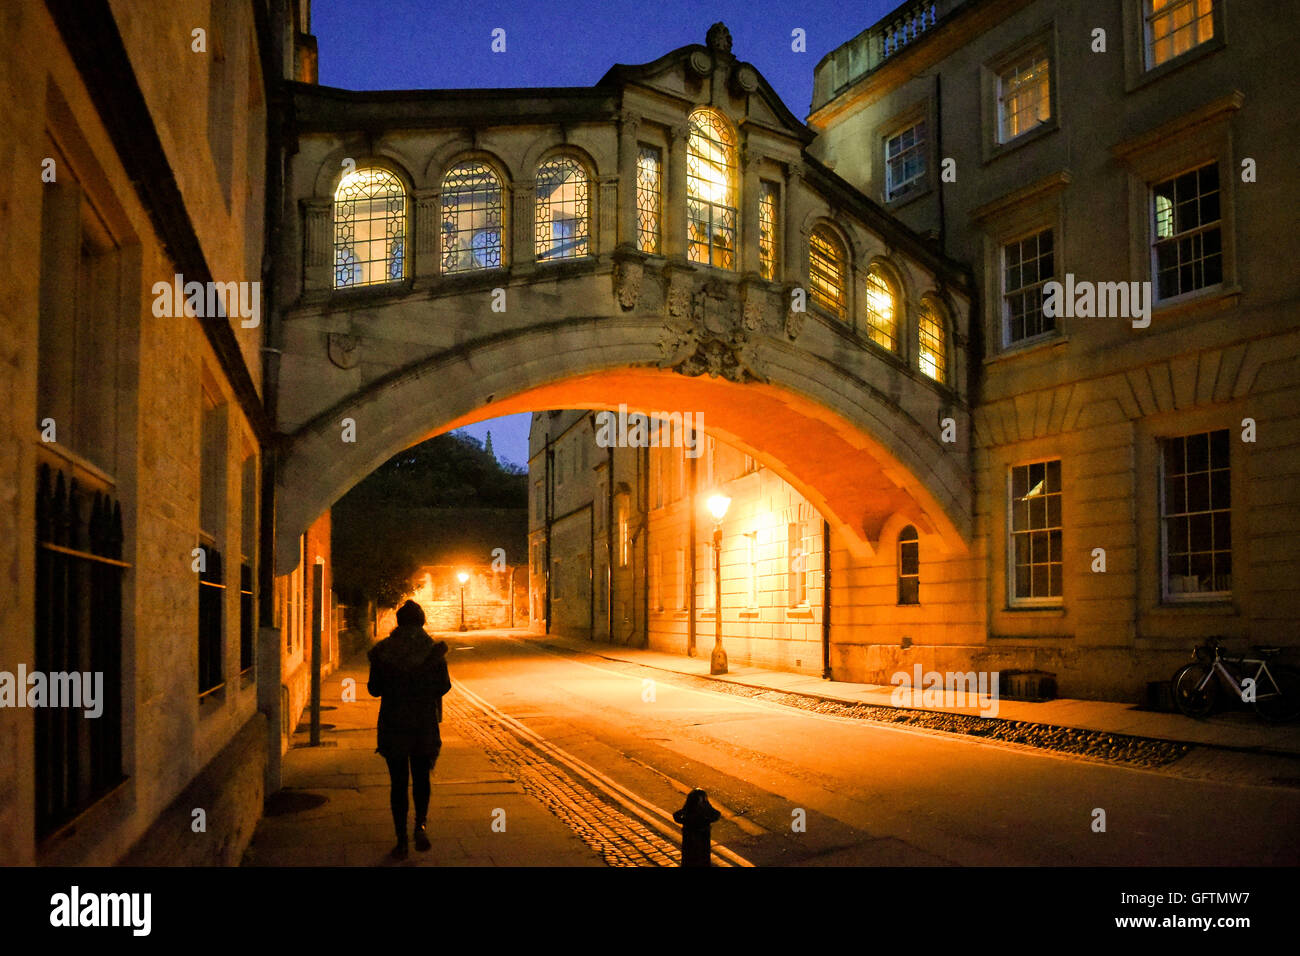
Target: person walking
{"type": "Point", "coordinates": [408, 672]}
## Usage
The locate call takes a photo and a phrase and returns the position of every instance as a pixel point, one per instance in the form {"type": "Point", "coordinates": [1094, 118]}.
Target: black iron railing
{"type": "Point", "coordinates": [79, 575]}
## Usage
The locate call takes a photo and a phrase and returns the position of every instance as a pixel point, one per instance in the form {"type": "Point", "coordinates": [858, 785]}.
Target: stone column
{"type": "Point", "coordinates": [674, 218]}
{"type": "Point", "coordinates": [747, 234]}
{"type": "Point", "coordinates": [627, 162]}
{"type": "Point", "coordinates": [607, 236]}
{"type": "Point", "coordinates": [425, 241]}
{"type": "Point", "coordinates": [317, 245]}
{"type": "Point", "coordinates": [522, 253]}
{"type": "Point", "coordinates": [792, 267]}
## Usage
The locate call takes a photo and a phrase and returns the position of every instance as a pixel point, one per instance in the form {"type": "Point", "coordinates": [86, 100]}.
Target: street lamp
{"type": "Point", "coordinates": [462, 577]}
{"type": "Point", "coordinates": [718, 504]}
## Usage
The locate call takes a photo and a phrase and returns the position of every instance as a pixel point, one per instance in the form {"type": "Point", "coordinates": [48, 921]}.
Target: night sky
{"type": "Point", "coordinates": [423, 44]}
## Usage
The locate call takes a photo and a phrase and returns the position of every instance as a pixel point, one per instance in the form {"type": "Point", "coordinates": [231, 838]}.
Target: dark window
{"type": "Point", "coordinates": [1196, 513]}
{"type": "Point", "coordinates": [1188, 235]}
{"type": "Point", "coordinates": [909, 567]}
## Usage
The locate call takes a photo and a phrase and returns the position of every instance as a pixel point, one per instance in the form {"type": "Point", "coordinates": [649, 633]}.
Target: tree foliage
{"type": "Point", "coordinates": [393, 521]}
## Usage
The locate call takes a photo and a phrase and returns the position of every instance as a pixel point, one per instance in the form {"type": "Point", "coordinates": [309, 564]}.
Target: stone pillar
{"type": "Point", "coordinates": [522, 253]}
{"type": "Point", "coordinates": [793, 265]}
{"type": "Point", "coordinates": [425, 240]}
{"type": "Point", "coordinates": [674, 219]}
{"type": "Point", "coordinates": [607, 236]}
{"type": "Point", "coordinates": [317, 245]}
{"type": "Point", "coordinates": [747, 234]}
{"type": "Point", "coordinates": [627, 163]}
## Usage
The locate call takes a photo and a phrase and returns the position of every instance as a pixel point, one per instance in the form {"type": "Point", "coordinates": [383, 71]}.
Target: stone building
{"type": "Point", "coordinates": [136, 430]}
{"type": "Point", "coordinates": [1090, 145]}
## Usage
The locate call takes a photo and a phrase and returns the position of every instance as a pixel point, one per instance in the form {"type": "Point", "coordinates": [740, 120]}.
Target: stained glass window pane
{"type": "Point", "coordinates": [471, 218]}
{"type": "Point", "coordinates": [882, 325]}
{"type": "Point", "coordinates": [649, 199]}
{"type": "Point", "coordinates": [562, 210]}
{"type": "Point", "coordinates": [711, 203]}
{"type": "Point", "coordinates": [826, 272]}
{"type": "Point", "coordinates": [369, 228]}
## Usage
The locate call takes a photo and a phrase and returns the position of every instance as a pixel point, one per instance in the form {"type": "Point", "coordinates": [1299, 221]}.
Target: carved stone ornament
{"type": "Point", "coordinates": [793, 320]}
{"type": "Point", "coordinates": [701, 62]}
{"type": "Point", "coordinates": [712, 339]}
{"type": "Point", "coordinates": [718, 38]}
{"type": "Point", "coordinates": [627, 283]}
{"type": "Point", "coordinates": [344, 350]}
{"type": "Point", "coordinates": [678, 296]}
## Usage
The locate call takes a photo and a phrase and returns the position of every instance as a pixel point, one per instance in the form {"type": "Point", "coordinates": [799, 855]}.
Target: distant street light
{"type": "Point", "coordinates": [462, 577]}
{"type": "Point", "coordinates": [718, 504]}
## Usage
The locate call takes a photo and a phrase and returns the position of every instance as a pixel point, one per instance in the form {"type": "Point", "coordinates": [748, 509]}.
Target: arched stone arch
{"type": "Point", "coordinates": [857, 457]}
{"type": "Point", "coordinates": [548, 146]}
{"type": "Point", "coordinates": [461, 150]}
{"type": "Point", "coordinates": [331, 171]}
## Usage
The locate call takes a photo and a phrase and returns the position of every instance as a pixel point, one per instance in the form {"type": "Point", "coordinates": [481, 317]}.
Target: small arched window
{"type": "Point", "coordinates": [826, 272]}
{"type": "Point", "coordinates": [562, 210]}
{"type": "Point", "coordinates": [712, 197]}
{"type": "Point", "coordinates": [933, 343]}
{"type": "Point", "coordinates": [471, 218]}
{"type": "Point", "coordinates": [882, 311]}
{"type": "Point", "coordinates": [909, 567]}
{"type": "Point", "coordinates": [369, 228]}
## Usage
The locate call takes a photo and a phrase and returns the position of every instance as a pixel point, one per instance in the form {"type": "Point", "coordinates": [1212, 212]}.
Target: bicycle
{"type": "Point", "coordinates": [1274, 691]}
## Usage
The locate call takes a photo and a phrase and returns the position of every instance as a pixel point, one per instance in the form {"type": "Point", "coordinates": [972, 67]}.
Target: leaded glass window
{"type": "Point", "coordinates": [767, 232]}
{"type": "Point", "coordinates": [711, 193]}
{"type": "Point", "coordinates": [472, 217]}
{"type": "Point", "coordinates": [563, 230]}
{"type": "Point", "coordinates": [826, 272]}
{"type": "Point", "coordinates": [882, 311]}
{"type": "Point", "coordinates": [649, 199]}
{"type": "Point", "coordinates": [933, 353]}
{"type": "Point", "coordinates": [369, 228]}
{"type": "Point", "coordinates": [905, 161]}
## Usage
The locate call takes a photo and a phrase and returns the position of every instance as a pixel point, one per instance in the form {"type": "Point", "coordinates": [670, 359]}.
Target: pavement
{"type": "Point", "coordinates": [1238, 731]}
{"type": "Point", "coordinates": [333, 808]}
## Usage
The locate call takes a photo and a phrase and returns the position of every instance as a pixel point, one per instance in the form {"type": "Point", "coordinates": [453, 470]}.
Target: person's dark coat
{"type": "Point", "coordinates": [408, 671]}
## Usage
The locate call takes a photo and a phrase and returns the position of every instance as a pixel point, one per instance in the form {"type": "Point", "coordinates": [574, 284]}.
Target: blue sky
{"type": "Point", "coordinates": [429, 44]}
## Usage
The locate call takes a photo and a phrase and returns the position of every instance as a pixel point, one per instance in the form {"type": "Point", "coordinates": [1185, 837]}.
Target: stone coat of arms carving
{"type": "Point", "coordinates": [711, 333]}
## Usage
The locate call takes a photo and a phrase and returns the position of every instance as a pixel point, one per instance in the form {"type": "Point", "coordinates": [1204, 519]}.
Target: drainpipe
{"type": "Point", "coordinates": [645, 546]}
{"type": "Point", "coordinates": [826, 600]}
{"type": "Point", "coordinates": [690, 630]}
{"type": "Point", "coordinates": [548, 511]}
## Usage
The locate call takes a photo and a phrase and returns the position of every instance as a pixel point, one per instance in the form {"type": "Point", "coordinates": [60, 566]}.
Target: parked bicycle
{"type": "Point", "coordinates": [1273, 690]}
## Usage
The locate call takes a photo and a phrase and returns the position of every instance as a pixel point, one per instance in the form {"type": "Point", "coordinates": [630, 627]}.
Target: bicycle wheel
{"type": "Point", "coordinates": [1280, 703]}
{"type": "Point", "coordinates": [1192, 698]}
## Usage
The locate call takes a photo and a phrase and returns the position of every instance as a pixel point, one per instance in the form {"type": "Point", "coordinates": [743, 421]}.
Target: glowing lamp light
{"type": "Point", "coordinates": [462, 577]}
{"type": "Point", "coordinates": [718, 505]}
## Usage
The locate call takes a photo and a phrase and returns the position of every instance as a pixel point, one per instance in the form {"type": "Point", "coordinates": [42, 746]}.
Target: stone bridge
{"type": "Point", "coordinates": [661, 239]}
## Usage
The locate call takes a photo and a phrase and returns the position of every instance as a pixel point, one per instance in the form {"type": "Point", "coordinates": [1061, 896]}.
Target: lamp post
{"type": "Point", "coordinates": [718, 504]}
{"type": "Point", "coordinates": [462, 577]}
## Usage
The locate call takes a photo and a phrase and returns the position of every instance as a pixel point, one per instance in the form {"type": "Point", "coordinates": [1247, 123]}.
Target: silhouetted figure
{"type": "Point", "coordinates": [408, 671]}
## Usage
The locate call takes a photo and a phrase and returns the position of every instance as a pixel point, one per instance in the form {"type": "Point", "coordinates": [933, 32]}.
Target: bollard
{"type": "Point", "coordinates": [697, 816]}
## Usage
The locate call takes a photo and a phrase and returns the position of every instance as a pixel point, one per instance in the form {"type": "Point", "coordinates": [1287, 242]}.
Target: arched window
{"type": "Point", "coordinates": [826, 272]}
{"type": "Point", "coordinates": [369, 228]}
{"type": "Point", "coordinates": [909, 567]}
{"type": "Point", "coordinates": [471, 218]}
{"type": "Point", "coordinates": [882, 311]}
{"type": "Point", "coordinates": [562, 220]}
{"type": "Point", "coordinates": [711, 193]}
{"type": "Point", "coordinates": [933, 342]}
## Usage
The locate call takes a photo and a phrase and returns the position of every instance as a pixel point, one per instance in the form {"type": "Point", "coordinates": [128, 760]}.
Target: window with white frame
{"type": "Point", "coordinates": [1172, 27]}
{"type": "Point", "coordinates": [1024, 94]}
{"type": "Point", "coordinates": [1187, 252]}
{"type": "Point", "coordinates": [905, 162]}
{"type": "Point", "coordinates": [1035, 529]}
{"type": "Point", "coordinates": [1027, 265]}
{"type": "Point", "coordinates": [1195, 516]}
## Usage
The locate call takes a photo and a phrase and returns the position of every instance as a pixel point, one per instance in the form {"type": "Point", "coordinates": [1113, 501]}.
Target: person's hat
{"type": "Point", "coordinates": [410, 613]}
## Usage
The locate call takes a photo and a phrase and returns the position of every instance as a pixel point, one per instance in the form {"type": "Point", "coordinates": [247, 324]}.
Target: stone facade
{"type": "Point", "coordinates": [1101, 395]}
